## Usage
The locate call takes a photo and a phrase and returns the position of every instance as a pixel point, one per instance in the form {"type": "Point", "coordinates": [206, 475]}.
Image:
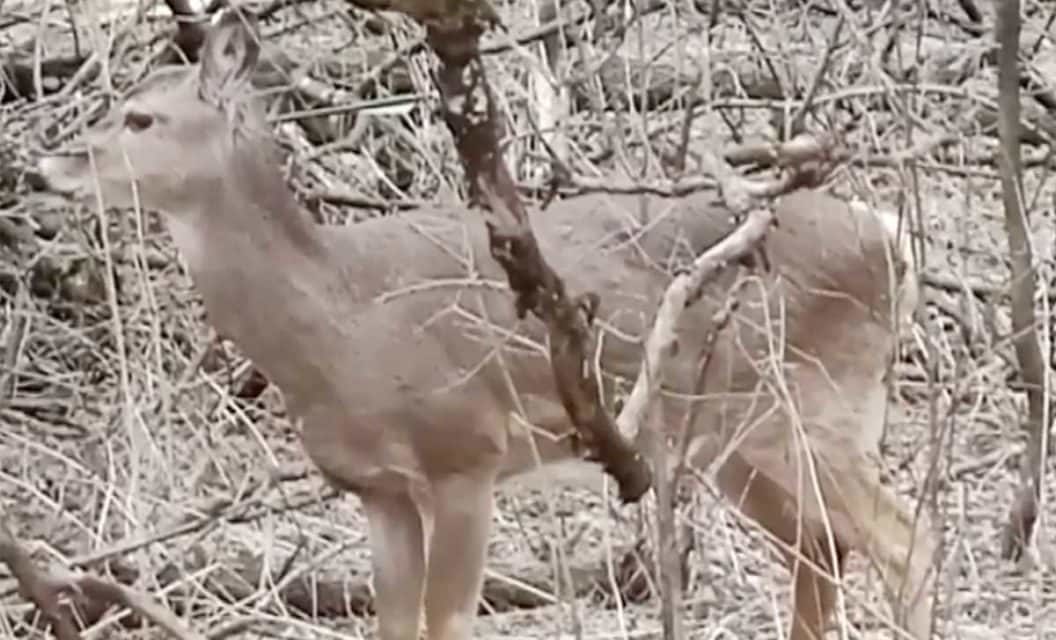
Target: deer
{"type": "Point", "coordinates": [417, 388]}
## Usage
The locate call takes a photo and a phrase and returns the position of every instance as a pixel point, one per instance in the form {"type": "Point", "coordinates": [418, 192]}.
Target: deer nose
{"type": "Point", "coordinates": [57, 172]}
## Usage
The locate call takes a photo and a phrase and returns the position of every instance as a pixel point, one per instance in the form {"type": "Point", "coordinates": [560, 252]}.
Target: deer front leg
{"type": "Point", "coordinates": [397, 543]}
{"type": "Point", "coordinates": [462, 506]}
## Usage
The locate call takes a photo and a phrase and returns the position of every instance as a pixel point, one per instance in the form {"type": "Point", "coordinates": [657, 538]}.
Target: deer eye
{"type": "Point", "coordinates": [137, 121]}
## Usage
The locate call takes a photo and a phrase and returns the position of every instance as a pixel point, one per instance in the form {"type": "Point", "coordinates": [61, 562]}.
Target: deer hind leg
{"type": "Point", "coordinates": [901, 549]}
{"type": "Point", "coordinates": [868, 517]}
{"type": "Point", "coordinates": [462, 507]}
{"type": "Point", "coordinates": [814, 592]}
{"type": "Point", "coordinates": [397, 542]}
{"type": "Point", "coordinates": [773, 508]}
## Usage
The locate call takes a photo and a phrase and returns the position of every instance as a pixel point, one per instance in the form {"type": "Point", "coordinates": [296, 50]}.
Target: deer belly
{"type": "Point", "coordinates": [359, 454]}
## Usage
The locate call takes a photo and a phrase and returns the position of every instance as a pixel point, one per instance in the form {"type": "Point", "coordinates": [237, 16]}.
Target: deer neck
{"type": "Point", "coordinates": [255, 257]}
{"type": "Point", "coordinates": [247, 218]}
{"type": "Point", "coordinates": [260, 267]}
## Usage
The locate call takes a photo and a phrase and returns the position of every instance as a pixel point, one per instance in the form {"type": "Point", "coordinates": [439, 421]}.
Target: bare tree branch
{"type": "Point", "coordinates": [45, 590]}
{"type": "Point", "coordinates": [36, 587]}
{"type": "Point", "coordinates": [1024, 512]}
{"type": "Point", "coordinates": [454, 29]}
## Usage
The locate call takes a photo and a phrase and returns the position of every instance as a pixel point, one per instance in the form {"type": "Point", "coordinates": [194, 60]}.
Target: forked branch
{"type": "Point", "coordinates": [641, 407]}
{"type": "Point", "coordinates": [686, 288]}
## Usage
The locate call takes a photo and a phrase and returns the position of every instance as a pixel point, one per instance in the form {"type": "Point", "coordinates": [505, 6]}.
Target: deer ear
{"type": "Point", "coordinates": [228, 56]}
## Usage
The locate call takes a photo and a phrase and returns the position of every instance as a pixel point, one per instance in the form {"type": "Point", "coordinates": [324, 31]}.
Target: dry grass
{"type": "Point", "coordinates": [122, 437]}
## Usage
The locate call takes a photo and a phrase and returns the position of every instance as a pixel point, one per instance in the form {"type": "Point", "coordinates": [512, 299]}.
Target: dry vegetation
{"type": "Point", "coordinates": [136, 446]}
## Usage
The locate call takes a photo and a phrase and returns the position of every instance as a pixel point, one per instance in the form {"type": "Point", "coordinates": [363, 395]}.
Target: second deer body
{"type": "Point", "coordinates": [395, 345]}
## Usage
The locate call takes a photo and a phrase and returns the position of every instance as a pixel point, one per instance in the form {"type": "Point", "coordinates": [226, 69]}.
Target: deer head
{"type": "Point", "coordinates": [175, 134]}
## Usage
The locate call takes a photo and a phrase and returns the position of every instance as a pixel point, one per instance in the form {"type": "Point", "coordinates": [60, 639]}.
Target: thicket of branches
{"type": "Point", "coordinates": [871, 99]}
